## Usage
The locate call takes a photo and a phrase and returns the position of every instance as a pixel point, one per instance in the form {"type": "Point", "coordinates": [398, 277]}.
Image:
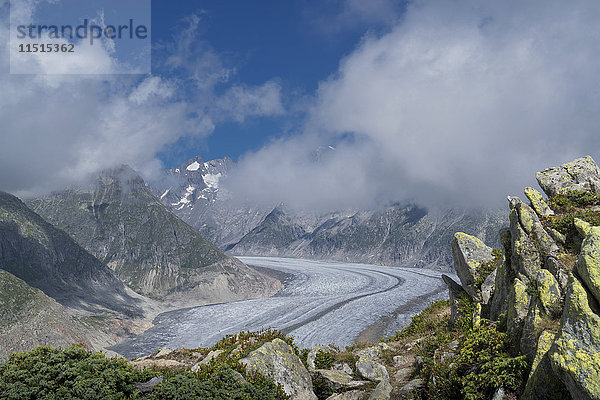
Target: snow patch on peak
{"type": "Point", "coordinates": [186, 197]}
{"type": "Point", "coordinates": [195, 166]}
{"type": "Point", "coordinates": [212, 180]}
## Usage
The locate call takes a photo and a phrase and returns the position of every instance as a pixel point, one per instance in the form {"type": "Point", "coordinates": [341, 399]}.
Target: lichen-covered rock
{"type": "Point", "coordinates": [468, 253]}
{"type": "Point", "coordinates": [488, 286]}
{"type": "Point", "coordinates": [342, 366]}
{"type": "Point", "coordinates": [414, 385]}
{"type": "Point", "coordinates": [532, 226]}
{"type": "Point", "coordinates": [349, 395]}
{"type": "Point", "coordinates": [455, 292]}
{"type": "Point", "coordinates": [336, 380]}
{"type": "Point", "coordinates": [558, 271]}
{"type": "Point", "coordinates": [369, 363]}
{"type": "Point", "coordinates": [588, 263]}
{"type": "Point", "coordinates": [544, 343]}
{"type": "Point", "coordinates": [548, 291]}
{"type": "Point", "coordinates": [504, 278]}
{"type": "Point", "coordinates": [557, 236]}
{"type": "Point", "coordinates": [518, 307]}
{"type": "Point", "coordinates": [529, 339]}
{"type": "Point", "coordinates": [525, 259]}
{"type": "Point", "coordinates": [382, 391]}
{"type": "Point", "coordinates": [543, 384]}
{"type": "Point", "coordinates": [575, 353]}
{"type": "Point", "coordinates": [158, 363]}
{"type": "Point", "coordinates": [277, 360]}
{"type": "Point", "coordinates": [579, 174]}
{"type": "Point", "coordinates": [537, 202]}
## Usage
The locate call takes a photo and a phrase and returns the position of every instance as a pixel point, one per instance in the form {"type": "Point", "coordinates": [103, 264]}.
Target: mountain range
{"type": "Point", "coordinates": [393, 234]}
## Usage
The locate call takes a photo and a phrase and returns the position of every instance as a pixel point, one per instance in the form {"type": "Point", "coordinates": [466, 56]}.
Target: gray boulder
{"type": "Point", "coordinates": [525, 259]}
{"type": "Point", "coordinates": [518, 308]}
{"type": "Point", "coordinates": [349, 395]}
{"type": "Point", "coordinates": [579, 174]}
{"type": "Point", "coordinates": [382, 391]}
{"type": "Point", "coordinates": [575, 353]}
{"type": "Point", "coordinates": [369, 363]}
{"type": "Point", "coordinates": [588, 263]}
{"type": "Point", "coordinates": [336, 380]}
{"type": "Point", "coordinates": [537, 202]}
{"type": "Point", "coordinates": [277, 360]}
{"type": "Point", "coordinates": [469, 253]}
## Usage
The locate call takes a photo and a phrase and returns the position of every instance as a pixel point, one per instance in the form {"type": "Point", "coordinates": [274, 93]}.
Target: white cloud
{"type": "Point", "coordinates": [241, 101]}
{"type": "Point", "coordinates": [460, 102]}
{"type": "Point", "coordinates": [58, 130]}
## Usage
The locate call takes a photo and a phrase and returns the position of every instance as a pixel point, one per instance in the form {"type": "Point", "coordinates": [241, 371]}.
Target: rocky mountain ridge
{"type": "Point", "coordinates": [152, 251]}
{"type": "Point", "coordinates": [397, 234]}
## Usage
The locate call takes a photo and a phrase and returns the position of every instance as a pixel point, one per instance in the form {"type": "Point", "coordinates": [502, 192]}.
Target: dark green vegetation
{"type": "Point", "coordinates": [487, 267]}
{"type": "Point", "coordinates": [44, 373]}
{"type": "Point", "coordinates": [463, 361]}
{"type": "Point", "coordinates": [569, 205]}
{"type": "Point", "coordinates": [324, 360]}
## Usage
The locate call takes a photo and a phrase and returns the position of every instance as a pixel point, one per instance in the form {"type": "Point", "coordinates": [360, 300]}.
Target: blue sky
{"type": "Point", "coordinates": [293, 41]}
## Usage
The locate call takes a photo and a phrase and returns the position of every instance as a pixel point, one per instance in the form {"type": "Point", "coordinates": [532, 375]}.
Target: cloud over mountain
{"type": "Point", "coordinates": [459, 101]}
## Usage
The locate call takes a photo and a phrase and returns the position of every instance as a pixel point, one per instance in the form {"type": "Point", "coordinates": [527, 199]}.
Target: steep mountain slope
{"type": "Point", "coordinates": [48, 259]}
{"type": "Point", "coordinates": [398, 234]}
{"type": "Point", "coordinates": [155, 253]}
{"type": "Point", "coordinates": [29, 318]}
{"type": "Point", "coordinates": [194, 192]}
{"type": "Point", "coordinates": [393, 235]}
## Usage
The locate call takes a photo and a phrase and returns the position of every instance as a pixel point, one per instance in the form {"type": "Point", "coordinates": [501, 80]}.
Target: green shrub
{"type": "Point", "coordinates": [45, 373]}
{"type": "Point", "coordinates": [481, 365]}
{"type": "Point", "coordinates": [571, 199]}
{"type": "Point", "coordinates": [323, 360]}
{"type": "Point", "coordinates": [74, 373]}
{"type": "Point", "coordinates": [222, 384]}
{"type": "Point", "coordinates": [425, 322]}
{"type": "Point", "coordinates": [487, 267]}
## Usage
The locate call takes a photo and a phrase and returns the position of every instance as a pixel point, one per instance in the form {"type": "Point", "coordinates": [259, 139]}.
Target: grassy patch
{"type": "Point", "coordinates": [568, 206]}
{"type": "Point", "coordinates": [487, 267]}
{"type": "Point", "coordinates": [426, 322]}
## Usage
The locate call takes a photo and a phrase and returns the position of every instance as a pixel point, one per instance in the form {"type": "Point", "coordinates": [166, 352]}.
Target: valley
{"type": "Point", "coordinates": [322, 302]}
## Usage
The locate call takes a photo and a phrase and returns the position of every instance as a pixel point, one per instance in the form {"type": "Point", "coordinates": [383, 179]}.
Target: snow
{"type": "Point", "coordinates": [325, 302]}
{"type": "Point", "coordinates": [164, 194]}
{"type": "Point", "coordinates": [212, 180]}
{"type": "Point", "coordinates": [195, 166]}
{"type": "Point", "coordinates": [186, 197]}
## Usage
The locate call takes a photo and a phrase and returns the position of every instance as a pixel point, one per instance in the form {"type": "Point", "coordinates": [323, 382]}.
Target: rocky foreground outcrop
{"type": "Point", "coordinates": [547, 282]}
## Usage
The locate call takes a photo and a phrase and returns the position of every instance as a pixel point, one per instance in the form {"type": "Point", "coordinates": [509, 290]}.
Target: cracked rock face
{"type": "Point", "coordinates": [469, 253]}
{"type": "Point", "coordinates": [369, 364]}
{"type": "Point", "coordinates": [575, 354]}
{"type": "Point", "coordinates": [277, 360]}
{"type": "Point", "coordinates": [580, 174]}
